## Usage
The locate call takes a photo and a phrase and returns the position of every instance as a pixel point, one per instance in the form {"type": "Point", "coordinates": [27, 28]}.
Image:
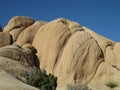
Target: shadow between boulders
{"type": "Point", "coordinates": [36, 59]}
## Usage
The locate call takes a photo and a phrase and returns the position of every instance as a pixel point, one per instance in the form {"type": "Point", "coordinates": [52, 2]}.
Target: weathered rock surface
{"type": "Point", "coordinates": [50, 37]}
{"type": "Point", "coordinates": [13, 67]}
{"type": "Point", "coordinates": [82, 51]}
{"type": "Point", "coordinates": [5, 39]}
{"type": "Point", "coordinates": [67, 50]}
{"type": "Point", "coordinates": [109, 70]}
{"type": "Point", "coordinates": [8, 82]}
{"type": "Point", "coordinates": [16, 53]}
{"type": "Point", "coordinates": [73, 53]}
{"type": "Point", "coordinates": [102, 41]}
{"type": "Point", "coordinates": [18, 24]}
{"type": "Point", "coordinates": [10, 71]}
{"type": "Point", "coordinates": [28, 34]}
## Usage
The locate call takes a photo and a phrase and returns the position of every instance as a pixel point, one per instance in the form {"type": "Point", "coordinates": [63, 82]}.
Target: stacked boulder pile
{"type": "Point", "coordinates": [73, 53]}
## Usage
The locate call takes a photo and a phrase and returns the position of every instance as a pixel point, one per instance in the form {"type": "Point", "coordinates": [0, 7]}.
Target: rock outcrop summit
{"type": "Point", "coordinates": [73, 53]}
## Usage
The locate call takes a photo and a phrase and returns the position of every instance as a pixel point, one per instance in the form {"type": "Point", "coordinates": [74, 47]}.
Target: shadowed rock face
{"type": "Point", "coordinates": [73, 53]}
{"type": "Point", "coordinates": [5, 39]}
{"type": "Point", "coordinates": [1, 29]}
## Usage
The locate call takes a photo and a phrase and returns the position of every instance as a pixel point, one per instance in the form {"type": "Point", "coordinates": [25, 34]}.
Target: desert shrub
{"type": "Point", "coordinates": [78, 87]}
{"type": "Point", "coordinates": [41, 80]}
{"type": "Point", "coordinates": [112, 84]}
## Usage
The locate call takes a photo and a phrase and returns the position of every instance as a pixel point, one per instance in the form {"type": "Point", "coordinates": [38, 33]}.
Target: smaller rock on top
{"type": "Point", "coordinates": [18, 22]}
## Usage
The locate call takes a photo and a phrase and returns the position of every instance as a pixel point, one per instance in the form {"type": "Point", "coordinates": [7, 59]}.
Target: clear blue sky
{"type": "Point", "coordinates": [102, 16]}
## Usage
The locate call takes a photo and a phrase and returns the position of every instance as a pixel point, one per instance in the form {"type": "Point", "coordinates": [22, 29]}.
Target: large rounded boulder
{"type": "Point", "coordinates": [5, 39]}
{"type": "Point", "coordinates": [29, 33]}
{"type": "Point", "coordinates": [18, 24]}
{"type": "Point", "coordinates": [14, 52]}
{"type": "Point", "coordinates": [67, 51]}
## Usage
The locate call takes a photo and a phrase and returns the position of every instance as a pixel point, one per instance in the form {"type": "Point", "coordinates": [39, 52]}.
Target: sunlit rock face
{"type": "Point", "coordinates": [75, 54]}
{"type": "Point", "coordinates": [29, 33]}
{"type": "Point", "coordinates": [67, 51]}
{"type": "Point", "coordinates": [18, 24]}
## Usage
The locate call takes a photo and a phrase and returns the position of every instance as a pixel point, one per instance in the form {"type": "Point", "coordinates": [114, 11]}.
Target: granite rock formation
{"type": "Point", "coordinates": [73, 53]}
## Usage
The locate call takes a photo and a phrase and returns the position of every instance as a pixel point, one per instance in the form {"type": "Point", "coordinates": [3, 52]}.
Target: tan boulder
{"type": "Point", "coordinates": [80, 59]}
{"type": "Point", "coordinates": [15, 68]}
{"type": "Point", "coordinates": [18, 24]}
{"type": "Point", "coordinates": [109, 70]}
{"type": "Point", "coordinates": [8, 82]}
{"type": "Point", "coordinates": [18, 54]}
{"type": "Point", "coordinates": [28, 34]}
{"type": "Point", "coordinates": [15, 33]}
{"type": "Point", "coordinates": [51, 38]}
{"type": "Point", "coordinates": [5, 39]}
{"type": "Point", "coordinates": [102, 41]}
{"type": "Point", "coordinates": [105, 73]}
{"type": "Point", "coordinates": [116, 53]}
{"type": "Point", "coordinates": [10, 70]}
{"type": "Point", "coordinates": [48, 42]}
{"type": "Point", "coordinates": [73, 26]}
{"type": "Point", "coordinates": [28, 46]}
{"type": "Point", "coordinates": [67, 51]}
{"type": "Point", "coordinates": [73, 53]}
{"type": "Point", "coordinates": [31, 54]}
